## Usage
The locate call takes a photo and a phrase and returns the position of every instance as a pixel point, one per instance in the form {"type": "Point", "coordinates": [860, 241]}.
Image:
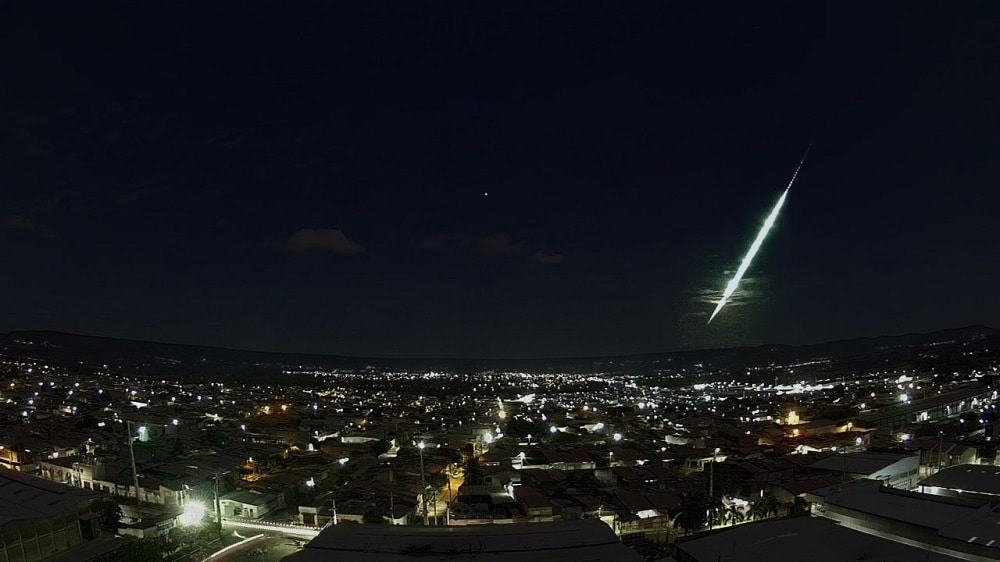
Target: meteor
{"type": "Point", "coordinates": [757, 243]}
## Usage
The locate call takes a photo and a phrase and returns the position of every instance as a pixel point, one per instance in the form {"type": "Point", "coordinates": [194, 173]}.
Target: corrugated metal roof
{"type": "Point", "coordinates": [26, 497]}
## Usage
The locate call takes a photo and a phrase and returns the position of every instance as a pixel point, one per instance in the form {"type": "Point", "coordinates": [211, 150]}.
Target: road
{"type": "Point", "coordinates": [268, 548]}
{"type": "Point", "coordinates": [457, 479]}
{"type": "Point", "coordinates": [250, 527]}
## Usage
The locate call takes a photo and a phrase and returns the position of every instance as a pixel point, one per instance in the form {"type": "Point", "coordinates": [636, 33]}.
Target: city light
{"type": "Point", "coordinates": [193, 514]}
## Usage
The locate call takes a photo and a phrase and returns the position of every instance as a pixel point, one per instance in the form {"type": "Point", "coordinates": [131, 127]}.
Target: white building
{"type": "Point", "coordinates": [892, 469]}
{"type": "Point", "coordinates": [250, 504]}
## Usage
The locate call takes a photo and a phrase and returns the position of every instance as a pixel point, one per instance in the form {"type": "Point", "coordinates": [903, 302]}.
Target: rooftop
{"type": "Point", "coordinates": [976, 478]}
{"type": "Point", "coordinates": [812, 538]}
{"type": "Point", "coordinates": [26, 497]}
{"type": "Point", "coordinates": [858, 463]}
{"type": "Point", "coordinates": [983, 531]}
{"type": "Point", "coordinates": [249, 497]}
{"type": "Point", "coordinates": [925, 510]}
{"type": "Point", "coordinates": [587, 539]}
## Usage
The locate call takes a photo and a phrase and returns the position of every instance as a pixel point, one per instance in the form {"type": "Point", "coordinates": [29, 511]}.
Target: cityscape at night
{"type": "Point", "coordinates": [550, 281]}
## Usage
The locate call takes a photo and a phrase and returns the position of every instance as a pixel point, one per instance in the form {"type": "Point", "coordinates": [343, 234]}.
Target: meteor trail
{"type": "Point", "coordinates": [757, 243]}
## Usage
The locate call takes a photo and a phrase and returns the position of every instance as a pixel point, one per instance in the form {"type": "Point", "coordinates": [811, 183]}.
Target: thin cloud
{"type": "Point", "coordinates": [327, 240]}
{"type": "Point", "coordinates": [751, 289]}
{"type": "Point", "coordinates": [548, 258]}
{"type": "Point", "coordinates": [21, 223]}
{"type": "Point", "coordinates": [18, 222]}
{"type": "Point", "coordinates": [499, 245]}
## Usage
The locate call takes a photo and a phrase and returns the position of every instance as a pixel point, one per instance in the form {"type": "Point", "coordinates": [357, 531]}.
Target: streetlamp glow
{"type": "Point", "coordinates": [193, 513]}
{"type": "Point", "coordinates": [617, 437]}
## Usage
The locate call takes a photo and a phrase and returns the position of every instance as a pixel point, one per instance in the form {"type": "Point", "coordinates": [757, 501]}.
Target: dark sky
{"type": "Point", "coordinates": [311, 176]}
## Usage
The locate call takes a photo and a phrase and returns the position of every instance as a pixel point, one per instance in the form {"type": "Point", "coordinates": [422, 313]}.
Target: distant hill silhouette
{"type": "Point", "coordinates": [184, 361]}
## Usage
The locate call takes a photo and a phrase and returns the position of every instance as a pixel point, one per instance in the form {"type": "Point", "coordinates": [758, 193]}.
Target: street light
{"type": "Point", "coordinates": [131, 454]}
{"type": "Point", "coordinates": [711, 474]}
{"type": "Point", "coordinates": [423, 480]}
{"type": "Point", "coordinates": [193, 513]}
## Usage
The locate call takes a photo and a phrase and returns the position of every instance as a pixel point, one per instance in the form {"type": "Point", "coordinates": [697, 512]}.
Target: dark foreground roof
{"type": "Point", "coordinates": [583, 540]}
{"type": "Point", "coordinates": [27, 497]}
{"type": "Point", "coordinates": [978, 478]}
{"type": "Point", "coordinates": [859, 463]}
{"type": "Point", "coordinates": [800, 538]}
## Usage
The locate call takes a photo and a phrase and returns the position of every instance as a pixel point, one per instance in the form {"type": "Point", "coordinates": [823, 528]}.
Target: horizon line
{"type": "Point", "coordinates": [11, 333]}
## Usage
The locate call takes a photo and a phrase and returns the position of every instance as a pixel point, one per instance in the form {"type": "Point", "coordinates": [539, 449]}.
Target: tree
{"type": "Point", "coordinates": [770, 505]}
{"type": "Point", "coordinates": [109, 511]}
{"type": "Point", "coordinates": [520, 427]}
{"type": "Point", "coordinates": [431, 499]}
{"type": "Point", "coordinates": [732, 515]}
{"type": "Point", "coordinates": [372, 517]}
{"type": "Point", "coordinates": [178, 449]}
{"type": "Point", "coordinates": [764, 507]}
{"type": "Point", "coordinates": [379, 447]}
{"type": "Point", "coordinates": [694, 509]}
{"type": "Point", "coordinates": [473, 472]}
{"type": "Point", "coordinates": [85, 421]}
{"type": "Point", "coordinates": [437, 480]}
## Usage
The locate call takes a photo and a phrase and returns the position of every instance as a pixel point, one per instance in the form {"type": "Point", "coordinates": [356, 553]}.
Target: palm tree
{"type": "Point", "coordinates": [769, 504]}
{"type": "Point", "coordinates": [693, 507]}
{"type": "Point", "coordinates": [431, 497]}
{"type": "Point", "coordinates": [734, 515]}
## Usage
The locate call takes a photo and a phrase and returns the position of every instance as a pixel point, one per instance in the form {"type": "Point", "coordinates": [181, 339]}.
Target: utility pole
{"type": "Point", "coordinates": [218, 505]}
{"type": "Point", "coordinates": [131, 454]}
{"type": "Point", "coordinates": [423, 480]}
{"type": "Point", "coordinates": [940, 450]}
{"type": "Point", "coordinates": [392, 507]}
{"type": "Point", "coordinates": [334, 500]}
{"type": "Point", "coordinates": [711, 476]}
{"type": "Point", "coordinates": [843, 455]}
{"type": "Point", "coordinates": [447, 513]}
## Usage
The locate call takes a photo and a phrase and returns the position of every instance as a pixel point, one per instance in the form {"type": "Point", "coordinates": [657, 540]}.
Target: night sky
{"type": "Point", "coordinates": [424, 179]}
